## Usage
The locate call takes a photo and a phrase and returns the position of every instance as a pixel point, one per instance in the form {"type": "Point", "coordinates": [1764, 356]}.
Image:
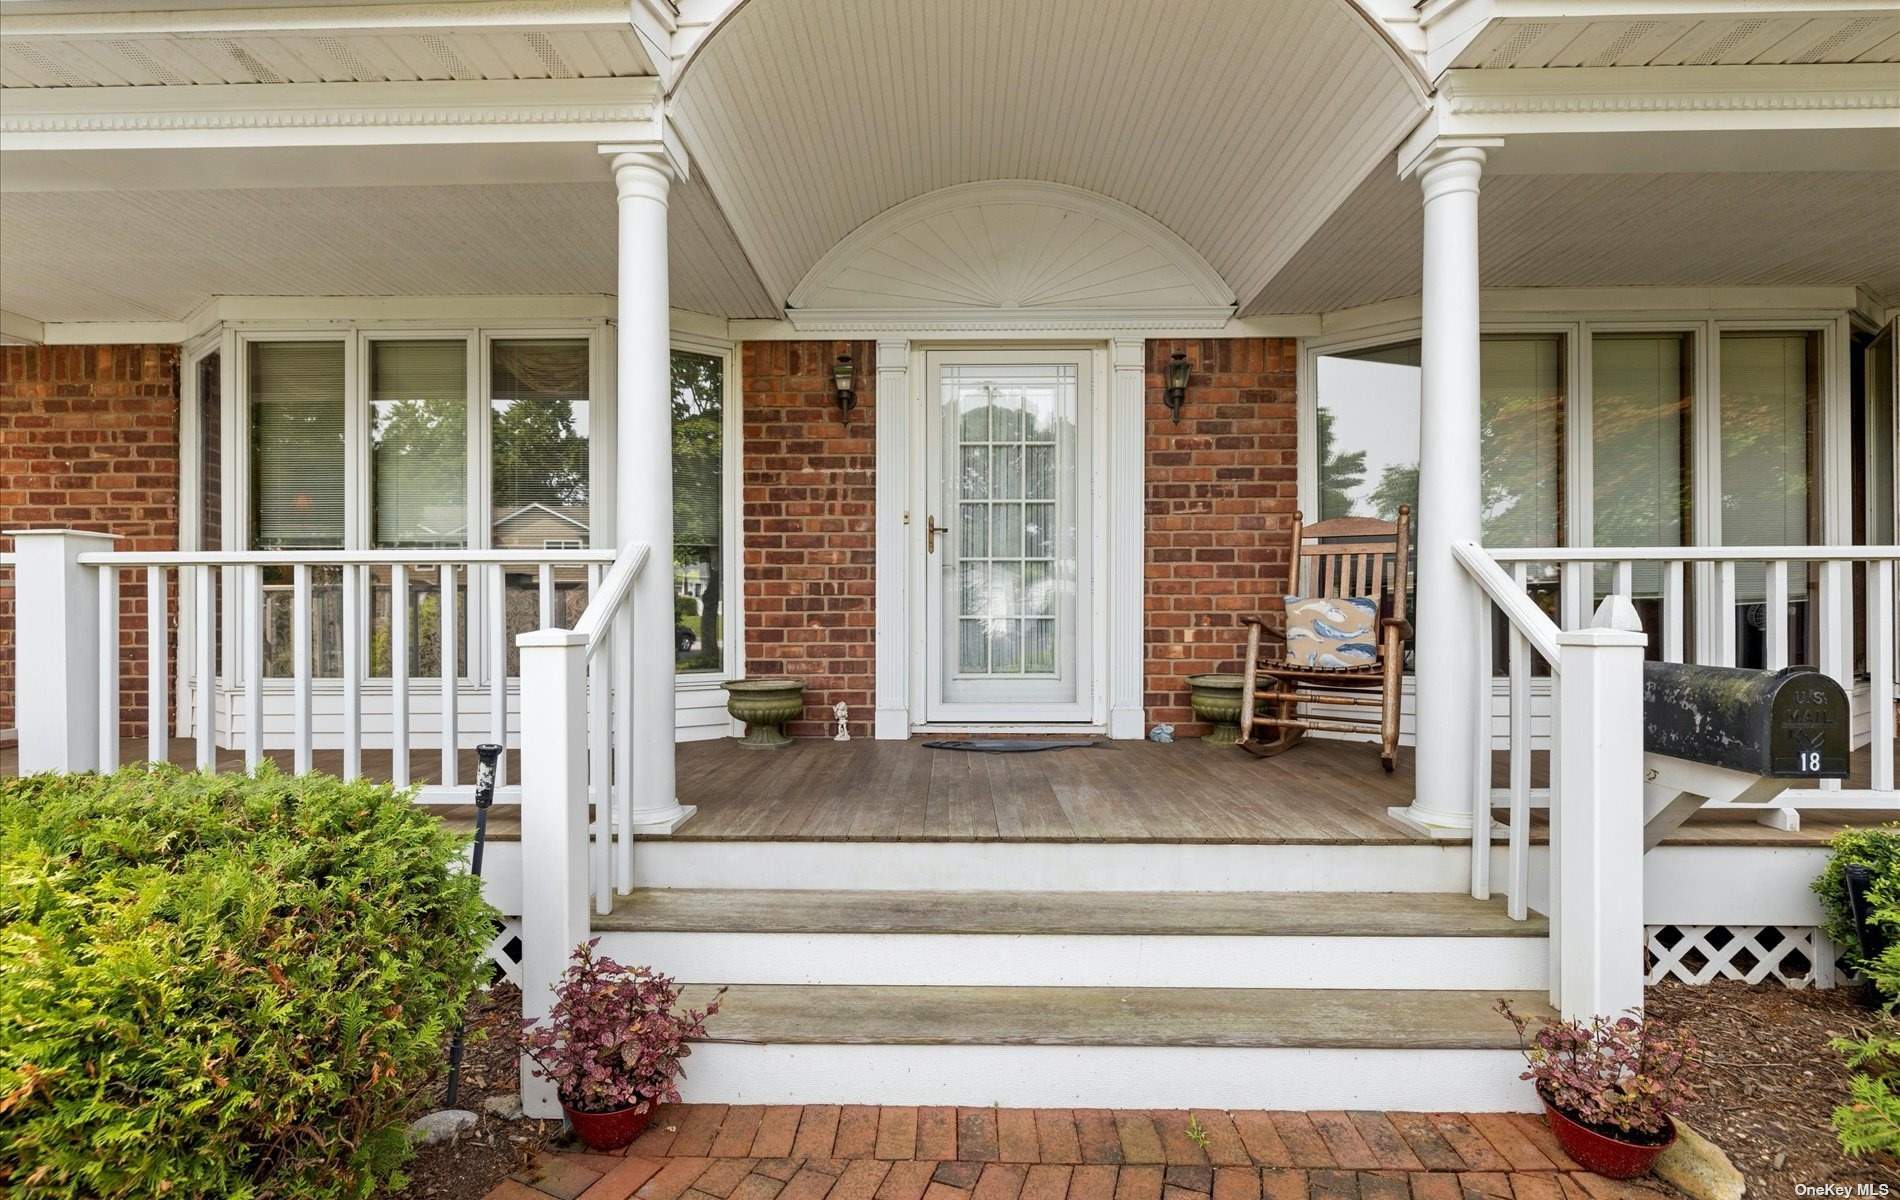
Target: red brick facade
{"type": "Point", "coordinates": [809, 507]}
{"type": "Point", "coordinates": [89, 440]}
{"type": "Point", "coordinates": [1220, 494]}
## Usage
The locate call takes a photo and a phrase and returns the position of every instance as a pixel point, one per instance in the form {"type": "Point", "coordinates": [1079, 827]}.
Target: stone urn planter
{"type": "Point", "coordinates": [1217, 700]}
{"type": "Point", "coordinates": [765, 705]}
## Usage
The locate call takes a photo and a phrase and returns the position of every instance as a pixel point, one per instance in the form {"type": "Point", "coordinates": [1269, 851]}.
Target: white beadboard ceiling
{"type": "Point", "coordinates": [1237, 124]}
{"type": "Point", "coordinates": [1727, 229]}
{"type": "Point", "coordinates": [337, 57]}
{"type": "Point", "coordinates": [158, 255]}
{"type": "Point", "coordinates": [1770, 38]}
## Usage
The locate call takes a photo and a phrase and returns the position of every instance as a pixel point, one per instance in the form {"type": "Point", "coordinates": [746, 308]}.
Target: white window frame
{"type": "Point", "coordinates": [732, 498]}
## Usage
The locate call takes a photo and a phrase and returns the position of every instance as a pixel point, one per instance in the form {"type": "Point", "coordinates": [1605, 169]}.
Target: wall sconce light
{"type": "Point", "coordinates": [844, 382]}
{"type": "Point", "coordinates": [1176, 395]}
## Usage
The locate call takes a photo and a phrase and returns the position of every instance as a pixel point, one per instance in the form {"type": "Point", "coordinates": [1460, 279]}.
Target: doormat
{"type": "Point", "coordinates": [1011, 745]}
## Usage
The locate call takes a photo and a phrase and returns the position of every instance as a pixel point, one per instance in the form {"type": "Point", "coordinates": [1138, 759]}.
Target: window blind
{"type": "Point", "coordinates": [296, 444]}
{"type": "Point", "coordinates": [1641, 392]}
{"type": "Point", "coordinates": [1768, 409]}
{"type": "Point", "coordinates": [1522, 403]}
{"type": "Point", "coordinates": [419, 442]}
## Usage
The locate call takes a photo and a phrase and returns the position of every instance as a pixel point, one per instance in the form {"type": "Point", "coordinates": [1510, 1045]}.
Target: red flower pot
{"type": "Point", "coordinates": [605, 1131]}
{"type": "Point", "coordinates": [1610, 1157]}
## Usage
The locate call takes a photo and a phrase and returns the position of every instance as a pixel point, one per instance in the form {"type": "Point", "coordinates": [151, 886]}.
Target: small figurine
{"type": "Point", "coordinates": [1161, 733]}
{"type": "Point", "coordinates": [841, 711]}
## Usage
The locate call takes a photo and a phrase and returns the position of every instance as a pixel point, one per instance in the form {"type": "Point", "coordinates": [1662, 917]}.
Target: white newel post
{"type": "Point", "coordinates": [553, 826]}
{"type": "Point", "coordinates": [56, 644]}
{"type": "Point", "coordinates": [644, 482]}
{"type": "Point", "coordinates": [1448, 496]}
{"type": "Point", "coordinates": [1597, 832]}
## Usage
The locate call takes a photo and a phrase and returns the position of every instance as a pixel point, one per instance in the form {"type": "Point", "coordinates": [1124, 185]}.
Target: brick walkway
{"type": "Point", "coordinates": [828, 1152]}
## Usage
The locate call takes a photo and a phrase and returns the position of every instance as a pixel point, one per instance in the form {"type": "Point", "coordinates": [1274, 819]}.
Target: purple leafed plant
{"type": "Point", "coordinates": [1621, 1077]}
{"type": "Point", "coordinates": [612, 1039]}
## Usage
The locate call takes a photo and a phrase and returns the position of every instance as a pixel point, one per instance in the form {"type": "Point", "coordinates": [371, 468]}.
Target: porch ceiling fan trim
{"type": "Point", "coordinates": [1009, 255]}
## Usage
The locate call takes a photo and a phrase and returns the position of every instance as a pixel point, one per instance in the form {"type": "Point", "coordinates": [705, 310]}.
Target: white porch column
{"type": "Point", "coordinates": [644, 483]}
{"type": "Point", "coordinates": [56, 648]}
{"type": "Point", "coordinates": [1447, 716]}
{"type": "Point", "coordinates": [894, 629]}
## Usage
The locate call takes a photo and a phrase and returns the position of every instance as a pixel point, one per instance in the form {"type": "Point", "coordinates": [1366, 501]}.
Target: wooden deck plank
{"type": "Point", "coordinates": [815, 789]}
{"type": "Point", "coordinates": [832, 1015]}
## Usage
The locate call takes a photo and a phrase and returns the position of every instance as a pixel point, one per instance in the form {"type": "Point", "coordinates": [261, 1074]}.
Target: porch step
{"type": "Point", "coordinates": [1150, 1047]}
{"type": "Point", "coordinates": [1078, 939]}
{"type": "Point", "coordinates": [1198, 914]}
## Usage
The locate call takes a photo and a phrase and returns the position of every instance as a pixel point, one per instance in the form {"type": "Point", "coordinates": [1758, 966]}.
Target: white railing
{"type": "Point", "coordinates": [1801, 594]}
{"type": "Point", "coordinates": [68, 591]}
{"type": "Point", "coordinates": [1593, 897]}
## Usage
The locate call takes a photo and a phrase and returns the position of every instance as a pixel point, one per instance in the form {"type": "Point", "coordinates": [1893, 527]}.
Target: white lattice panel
{"type": "Point", "coordinates": [1797, 956]}
{"type": "Point", "coordinates": [505, 949]}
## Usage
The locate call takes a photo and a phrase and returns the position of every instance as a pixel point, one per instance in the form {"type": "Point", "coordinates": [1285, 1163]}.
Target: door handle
{"type": "Point", "coordinates": [931, 530]}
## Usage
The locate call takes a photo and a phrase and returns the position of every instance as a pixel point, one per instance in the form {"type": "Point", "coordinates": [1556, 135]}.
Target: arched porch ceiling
{"type": "Point", "coordinates": [1237, 124]}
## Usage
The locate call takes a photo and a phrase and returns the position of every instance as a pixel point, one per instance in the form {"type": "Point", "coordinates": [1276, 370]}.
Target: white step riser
{"type": "Point", "coordinates": [1109, 1077]}
{"type": "Point", "coordinates": [1059, 960]}
{"type": "Point", "coordinates": [1068, 867]}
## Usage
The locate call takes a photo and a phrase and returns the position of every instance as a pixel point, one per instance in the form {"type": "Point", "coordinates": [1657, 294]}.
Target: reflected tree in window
{"type": "Point", "coordinates": [698, 387]}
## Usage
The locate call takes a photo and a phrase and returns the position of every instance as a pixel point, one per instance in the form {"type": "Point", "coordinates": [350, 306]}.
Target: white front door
{"type": "Point", "coordinates": [1007, 542]}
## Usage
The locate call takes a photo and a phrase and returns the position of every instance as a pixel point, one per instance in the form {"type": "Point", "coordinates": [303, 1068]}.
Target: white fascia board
{"type": "Point", "coordinates": [304, 312]}
{"type": "Point", "coordinates": [1478, 103]}
{"type": "Point", "coordinates": [17, 330]}
{"type": "Point", "coordinates": [1607, 302]}
{"type": "Point", "coordinates": [249, 115]}
{"type": "Point", "coordinates": [214, 20]}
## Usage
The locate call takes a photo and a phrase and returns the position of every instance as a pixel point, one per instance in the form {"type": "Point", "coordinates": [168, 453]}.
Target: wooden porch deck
{"type": "Point", "coordinates": [1322, 793]}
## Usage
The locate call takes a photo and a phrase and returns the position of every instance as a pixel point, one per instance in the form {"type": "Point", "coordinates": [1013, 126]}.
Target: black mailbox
{"type": "Point", "coordinates": [1786, 724]}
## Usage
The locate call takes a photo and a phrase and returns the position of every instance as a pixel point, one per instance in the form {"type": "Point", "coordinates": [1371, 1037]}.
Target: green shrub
{"type": "Point", "coordinates": [222, 985]}
{"type": "Point", "coordinates": [1869, 1123]}
{"type": "Point", "coordinates": [1879, 850]}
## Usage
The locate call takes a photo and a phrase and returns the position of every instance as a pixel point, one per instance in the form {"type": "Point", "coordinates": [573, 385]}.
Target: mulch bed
{"type": "Point", "coordinates": [1772, 1081]}
{"type": "Point", "coordinates": [494, 1148]}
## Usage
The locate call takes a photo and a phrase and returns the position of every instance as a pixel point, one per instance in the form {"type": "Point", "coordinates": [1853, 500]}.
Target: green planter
{"type": "Point", "coordinates": [1216, 699]}
{"type": "Point", "coordinates": [765, 705]}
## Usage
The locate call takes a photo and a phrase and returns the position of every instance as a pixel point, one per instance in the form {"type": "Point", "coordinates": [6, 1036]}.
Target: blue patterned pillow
{"type": "Point", "coordinates": [1331, 631]}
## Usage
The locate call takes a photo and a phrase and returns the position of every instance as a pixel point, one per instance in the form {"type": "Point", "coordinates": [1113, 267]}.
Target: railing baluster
{"type": "Point", "coordinates": [1775, 618]}
{"type": "Point", "coordinates": [545, 578]}
{"type": "Point", "coordinates": [1672, 630]}
{"type": "Point", "coordinates": [623, 747]}
{"type": "Point", "coordinates": [1880, 668]}
{"type": "Point", "coordinates": [251, 579]}
{"type": "Point", "coordinates": [451, 745]}
{"type": "Point", "coordinates": [158, 707]}
{"type": "Point", "coordinates": [399, 675]}
{"type": "Point", "coordinates": [1517, 884]}
{"type": "Point", "coordinates": [1625, 578]}
{"type": "Point", "coordinates": [1725, 613]}
{"type": "Point", "coordinates": [1481, 752]}
{"type": "Point", "coordinates": [599, 768]}
{"type": "Point", "coordinates": [498, 668]}
{"type": "Point", "coordinates": [1554, 833]}
{"type": "Point", "coordinates": [302, 736]}
{"type": "Point", "coordinates": [353, 643]}
{"type": "Point", "coordinates": [207, 670]}
{"type": "Point", "coordinates": [108, 668]}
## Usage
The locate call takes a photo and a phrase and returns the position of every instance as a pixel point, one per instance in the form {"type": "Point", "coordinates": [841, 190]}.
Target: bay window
{"type": "Point", "coordinates": [414, 439]}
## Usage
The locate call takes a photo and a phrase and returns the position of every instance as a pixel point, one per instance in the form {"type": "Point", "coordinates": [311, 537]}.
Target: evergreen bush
{"type": "Point", "coordinates": [222, 985]}
{"type": "Point", "coordinates": [1869, 1123]}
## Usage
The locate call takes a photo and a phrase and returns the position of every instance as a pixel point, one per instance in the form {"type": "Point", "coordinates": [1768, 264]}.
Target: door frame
{"type": "Point", "coordinates": [913, 477]}
{"type": "Point", "coordinates": [1086, 648]}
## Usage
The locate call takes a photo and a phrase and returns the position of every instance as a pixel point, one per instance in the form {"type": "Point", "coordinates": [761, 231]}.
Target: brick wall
{"type": "Point", "coordinates": [1221, 490]}
{"type": "Point", "coordinates": [809, 506]}
{"type": "Point", "coordinates": [89, 440]}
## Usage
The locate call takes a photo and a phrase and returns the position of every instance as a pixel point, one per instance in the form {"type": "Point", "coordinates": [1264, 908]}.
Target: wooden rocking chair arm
{"type": "Point", "coordinates": [1401, 624]}
{"type": "Point", "coordinates": [1271, 622]}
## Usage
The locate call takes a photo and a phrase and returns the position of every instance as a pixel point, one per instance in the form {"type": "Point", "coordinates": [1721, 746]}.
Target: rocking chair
{"type": "Point", "coordinates": [1340, 558]}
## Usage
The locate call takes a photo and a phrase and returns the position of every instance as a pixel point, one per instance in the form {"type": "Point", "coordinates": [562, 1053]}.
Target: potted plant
{"type": "Point", "coordinates": [612, 1044]}
{"type": "Point", "coordinates": [1609, 1087]}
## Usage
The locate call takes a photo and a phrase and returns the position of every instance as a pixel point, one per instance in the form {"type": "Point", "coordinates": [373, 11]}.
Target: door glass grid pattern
{"type": "Point", "coordinates": [1007, 464]}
